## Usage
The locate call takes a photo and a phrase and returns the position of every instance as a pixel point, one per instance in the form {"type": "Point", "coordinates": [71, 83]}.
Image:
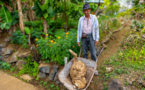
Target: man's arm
{"type": "Point", "coordinates": [78, 39]}
{"type": "Point", "coordinates": [97, 31]}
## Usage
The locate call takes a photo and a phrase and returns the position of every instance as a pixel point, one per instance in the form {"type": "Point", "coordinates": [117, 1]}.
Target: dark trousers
{"type": "Point", "coordinates": [89, 43]}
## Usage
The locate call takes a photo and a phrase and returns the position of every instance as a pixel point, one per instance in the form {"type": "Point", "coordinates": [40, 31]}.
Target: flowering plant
{"type": "Point", "coordinates": [56, 48]}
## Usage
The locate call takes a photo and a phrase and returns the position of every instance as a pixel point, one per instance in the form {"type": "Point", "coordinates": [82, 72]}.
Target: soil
{"type": "Point", "coordinates": [8, 82]}
{"type": "Point", "coordinates": [112, 47]}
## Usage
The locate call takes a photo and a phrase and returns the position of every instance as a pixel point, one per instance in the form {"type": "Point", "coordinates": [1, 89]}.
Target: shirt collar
{"type": "Point", "coordinates": [89, 17]}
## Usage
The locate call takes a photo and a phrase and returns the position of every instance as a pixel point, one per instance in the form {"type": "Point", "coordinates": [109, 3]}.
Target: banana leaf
{"type": "Point", "coordinates": [27, 30]}
{"type": "Point", "coordinates": [38, 10]}
{"type": "Point", "coordinates": [15, 17]}
{"type": "Point", "coordinates": [6, 18]}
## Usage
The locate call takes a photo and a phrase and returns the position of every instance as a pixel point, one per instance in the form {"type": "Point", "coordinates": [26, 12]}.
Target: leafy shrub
{"type": "Point", "coordinates": [57, 48]}
{"type": "Point", "coordinates": [4, 65]}
{"type": "Point", "coordinates": [136, 25]}
{"type": "Point", "coordinates": [33, 23]}
{"type": "Point", "coordinates": [37, 32]}
{"type": "Point", "coordinates": [57, 24]}
{"type": "Point", "coordinates": [20, 38]}
{"type": "Point", "coordinates": [30, 68]}
{"type": "Point", "coordinates": [36, 28]}
{"type": "Point", "coordinates": [6, 18]}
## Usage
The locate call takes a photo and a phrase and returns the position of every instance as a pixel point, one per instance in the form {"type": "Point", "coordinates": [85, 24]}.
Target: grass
{"type": "Point", "coordinates": [128, 59]}
{"type": "Point", "coordinates": [47, 85]}
{"type": "Point", "coordinates": [30, 68]}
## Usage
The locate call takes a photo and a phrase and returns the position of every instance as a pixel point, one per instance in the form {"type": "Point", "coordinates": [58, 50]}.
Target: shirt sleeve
{"type": "Point", "coordinates": [78, 32]}
{"type": "Point", "coordinates": [97, 29]}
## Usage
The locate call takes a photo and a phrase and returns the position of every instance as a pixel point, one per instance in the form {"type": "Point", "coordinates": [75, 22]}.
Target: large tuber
{"type": "Point", "coordinates": [78, 72]}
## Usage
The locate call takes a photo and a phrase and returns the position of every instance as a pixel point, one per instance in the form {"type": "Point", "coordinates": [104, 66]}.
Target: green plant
{"type": "Point", "coordinates": [30, 68]}
{"type": "Point", "coordinates": [144, 76]}
{"type": "Point", "coordinates": [4, 65]}
{"type": "Point", "coordinates": [15, 17]}
{"type": "Point", "coordinates": [6, 18]}
{"type": "Point", "coordinates": [143, 88]}
{"type": "Point", "coordinates": [57, 48]}
{"type": "Point", "coordinates": [136, 25]}
{"type": "Point", "coordinates": [52, 85]}
{"type": "Point", "coordinates": [126, 83]}
{"type": "Point", "coordinates": [34, 24]}
{"type": "Point", "coordinates": [20, 38]}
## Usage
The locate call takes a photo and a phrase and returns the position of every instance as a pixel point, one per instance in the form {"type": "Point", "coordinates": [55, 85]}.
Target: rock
{"type": "Point", "coordinates": [45, 69]}
{"type": "Point", "coordinates": [24, 55]}
{"type": "Point", "coordinates": [0, 51]}
{"type": "Point", "coordinates": [143, 84]}
{"type": "Point", "coordinates": [115, 85]}
{"type": "Point", "coordinates": [52, 74]}
{"type": "Point", "coordinates": [42, 69]}
{"type": "Point", "coordinates": [140, 81]}
{"type": "Point", "coordinates": [129, 81]}
{"type": "Point", "coordinates": [20, 63]}
{"type": "Point", "coordinates": [56, 76]}
{"type": "Point", "coordinates": [55, 67]}
{"type": "Point", "coordinates": [108, 69]}
{"type": "Point", "coordinates": [26, 77]}
{"type": "Point", "coordinates": [8, 39]}
{"type": "Point", "coordinates": [7, 51]}
{"type": "Point", "coordinates": [41, 75]}
{"type": "Point", "coordinates": [58, 82]}
{"type": "Point", "coordinates": [3, 45]}
{"type": "Point", "coordinates": [13, 57]}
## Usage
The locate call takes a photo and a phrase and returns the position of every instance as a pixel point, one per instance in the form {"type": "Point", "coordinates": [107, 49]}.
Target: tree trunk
{"type": "Point", "coordinates": [30, 12]}
{"type": "Point", "coordinates": [29, 37]}
{"type": "Point", "coordinates": [97, 8]}
{"type": "Point", "coordinates": [46, 26]}
{"type": "Point", "coordinates": [66, 24]}
{"type": "Point", "coordinates": [21, 23]}
{"type": "Point", "coordinates": [98, 11]}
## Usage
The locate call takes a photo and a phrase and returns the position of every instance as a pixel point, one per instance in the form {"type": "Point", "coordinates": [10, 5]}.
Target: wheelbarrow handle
{"type": "Point", "coordinates": [100, 54]}
{"type": "Point", "coordinates": [80, 51]}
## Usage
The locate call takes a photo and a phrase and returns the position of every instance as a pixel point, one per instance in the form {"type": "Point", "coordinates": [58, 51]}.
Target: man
{"type": "Point", "coordinates": [88, 33]}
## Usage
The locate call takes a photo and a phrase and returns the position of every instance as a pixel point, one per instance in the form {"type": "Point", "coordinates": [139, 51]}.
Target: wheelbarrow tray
{"type": "Point", "coordinates": [64, 75]}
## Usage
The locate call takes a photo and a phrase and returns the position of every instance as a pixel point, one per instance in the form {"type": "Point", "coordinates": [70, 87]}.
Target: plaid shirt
{"type": "Point", "coordinates": [87, 25]}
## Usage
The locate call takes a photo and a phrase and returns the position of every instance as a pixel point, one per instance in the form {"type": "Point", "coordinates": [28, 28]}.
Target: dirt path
{"type": "Point", "coordinates": [8, 82]}
{"type": "Point", "coordinates": [111, 49]}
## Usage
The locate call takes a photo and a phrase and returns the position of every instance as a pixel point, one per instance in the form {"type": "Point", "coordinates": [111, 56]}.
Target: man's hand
{"type": "Point", "coordinates": [96, 43]}
{"type": "Point", "coordinates": [78, 43]}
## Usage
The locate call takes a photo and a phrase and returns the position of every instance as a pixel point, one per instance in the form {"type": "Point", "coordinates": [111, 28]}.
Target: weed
{"type": "Point", "coordinates": [52, 85]}
{"type": "Point", "coordinates": [20, 38]}
{"type": "Point", "coordinates": [144, 76]}
{"type": "Point", "coordinates": [4, 65]}
{"type": "Point", "coordinates": [30, 68]}
{"type": "Point", "coordinates": [143, 88]}
{"type": "Point", "coordinates": [126, 83]}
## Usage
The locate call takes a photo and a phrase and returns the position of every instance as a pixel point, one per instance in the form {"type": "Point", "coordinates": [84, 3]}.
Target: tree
{"type": "Point", "coordinates": [107, 4]}
{"type": "Point", "coordinates": [21, 23]}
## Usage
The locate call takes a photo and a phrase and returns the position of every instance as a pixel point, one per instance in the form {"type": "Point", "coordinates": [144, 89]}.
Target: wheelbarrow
{"type": "Point", "coordinates": [64, 75]}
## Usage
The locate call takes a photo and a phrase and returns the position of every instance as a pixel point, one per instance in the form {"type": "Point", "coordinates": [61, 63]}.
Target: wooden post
{"type": "Point", "coordinates": [45, 24]}
{"type": "Point", "coordinates": [21, 23]}
{"type": "Point", "coordinates": [65, 60]}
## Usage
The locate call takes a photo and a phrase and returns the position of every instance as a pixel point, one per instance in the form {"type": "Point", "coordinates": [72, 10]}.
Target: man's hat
{"type": "Point", "coordinates": [86, 6]}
